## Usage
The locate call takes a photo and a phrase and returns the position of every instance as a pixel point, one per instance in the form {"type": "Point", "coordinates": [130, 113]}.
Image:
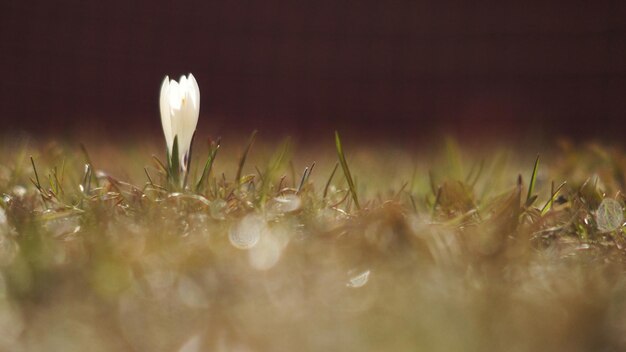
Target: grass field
{"type": "Point", "coordinates": [329, 247]}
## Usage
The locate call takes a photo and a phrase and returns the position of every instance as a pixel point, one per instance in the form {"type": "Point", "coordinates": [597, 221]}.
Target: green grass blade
{"type": "Point", "coordinates": [346, 170]}
{"type": "Point", "coordinates": [32, 161]}
{"type": "Point", "coordinates": [244, 156]}
{"type": "Point", "coordinates": [38, 185]}
{"type": "Point", "coordinates": [277, 161]}
{"type": "Point", "coordinates": [332, 174]}
{"type": "Point", "coordinates": [86, 184]}
{"type": "Point", "coordinates": [160, 165]}
{"type": "Point", "coordinates": [454, 158]}
{"type": "Point", "coordinates": [145, 170]}
{"type": "Point", "coordinates": [472, 178]}
{"type": "Point", "coordinates": [436, 202]}
{"type": "Point", "coordinates": [305, 177]}
{"type": "Point", "coordinates": [431, 182]}
{"type": "Point", "coordinates": [88, 160]}
{"type": "Point", "coordinates": [208, 166]}
{"type": "Point", "coordinates": [553, 197]}
{"type": "Point", "coordinates": [531, 185]}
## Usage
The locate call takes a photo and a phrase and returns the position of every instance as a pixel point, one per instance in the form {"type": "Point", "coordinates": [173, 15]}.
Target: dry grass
{"type": "Point", "coordinates": [449, 251]}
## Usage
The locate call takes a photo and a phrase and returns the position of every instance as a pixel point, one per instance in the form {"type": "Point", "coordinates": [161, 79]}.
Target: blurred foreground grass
{"type": "Point", "coordinates": [448, 250]}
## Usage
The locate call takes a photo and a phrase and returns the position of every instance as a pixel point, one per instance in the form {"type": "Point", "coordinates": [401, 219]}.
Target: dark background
{"type": "Point", "coordinates": [395, 70]}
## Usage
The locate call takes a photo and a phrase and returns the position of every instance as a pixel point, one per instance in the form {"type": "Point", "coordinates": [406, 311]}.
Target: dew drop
{"type": "Point", "coordinates": [217, 209]}
{"type": "Point", "coordinates": [246, 233]}
{"type": "Point", "coordinates": [359, 280]}
{"type": "Point", "coordinates": [287, 203]}
{"type": "Point", "coordinates": [63, 226]}
{"type": "Point", "coordinates": [610, 215]}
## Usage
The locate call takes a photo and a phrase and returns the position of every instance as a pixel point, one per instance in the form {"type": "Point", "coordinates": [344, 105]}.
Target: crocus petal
{"type": "Point", "coordinates": [188, 121]}
{"type": "Point", "coordinates": [175, 95]}
{"type": "Point", "coordinates": [195, 97]}
{"type": "Point", "coordinates": [166, 116]}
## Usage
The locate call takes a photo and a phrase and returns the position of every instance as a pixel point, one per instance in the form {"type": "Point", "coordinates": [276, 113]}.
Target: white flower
{"type": "Point", "coordinates": [180, 106]}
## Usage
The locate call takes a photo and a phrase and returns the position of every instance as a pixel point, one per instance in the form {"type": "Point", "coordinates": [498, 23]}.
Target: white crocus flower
{"type": "Point", "coordinates": [180, 106]}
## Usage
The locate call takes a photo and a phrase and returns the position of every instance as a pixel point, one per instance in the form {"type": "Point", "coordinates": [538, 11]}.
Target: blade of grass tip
{"type": "Point", "coordinates": [399, 192]}
{"type": "Point", "coordinates": [86, 184]}
{"type": "Point", "coordinates": [62, 173]}
{"type": "Point", "coordinates": [436, 203]}
{"type": "Point", "coordinates": [478, 173]}
{"type": "Point", "coordinates": [88, 160]}
{"type": "Point", "coordinates": [531, 185]}
{"type": "Point", "coordinates": [454, 158]}
{"type": "Point", "coordinates": [310, 171]}
{"type": "Point", "coordinates": [55, 179]}
{"type": "Point", "coordinates": [280, 184]}
{"type": "Point", "coordinates": [431, 182]}
{"type": "Point", "coordinates": [332, 174]}
{"type": "Point", "coordinates": [159, 165]}
{"type": "Point", "coordinates": [413, 202]}
{"type": "Point", "coordinates": [53, 189]}
{"type": "Point", "coordinates": [242, 161]}
{"type": "Point", "coordinates": [89, 177]}
{"type": "Point", "coordinates": [495, 174]}
{"type": "Point", "coordinates": [148, 176]}
{"type": "Point", "coordinates": [518, 189]}
{"type": "Point", "coordinates": [471, 178]}
{"type": "Point", "coordinates": [32, 161]}
{"type": "Point", "coordinates": [470, 173]}
{"type": "Point", "coordinates": [208, 166]}
{"type": "Point", "coordinates": [59, 181]}
{"type": "Point", "coordinates": [427, 201]}
{"type": "Point", "coordinates": [302, 179]}
{"type": "Point", "coordinates": [413, 176]}
{"type": "Point", "coordinates": [550, 202]}
{"type": "Point", "coordinates": [305, 177]}
{"type": "Point", "coordinates": [346, 170]}
{"type": "Point", "coordinates": [261, 178]}
{"type": "Point", "coordinates": [43, 198]}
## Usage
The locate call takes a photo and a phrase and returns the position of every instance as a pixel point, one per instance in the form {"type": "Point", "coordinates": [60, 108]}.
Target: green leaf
{"type": "Point", "coordinates": [187, 163]}
{"type": "Point", "coordinates": [174, 165]}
